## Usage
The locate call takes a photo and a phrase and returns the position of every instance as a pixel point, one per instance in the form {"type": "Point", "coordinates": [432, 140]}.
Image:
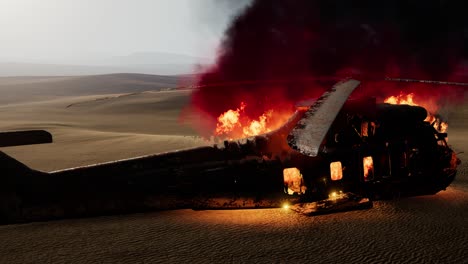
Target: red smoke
{"type": "Point", "coordinates": [288, 46]}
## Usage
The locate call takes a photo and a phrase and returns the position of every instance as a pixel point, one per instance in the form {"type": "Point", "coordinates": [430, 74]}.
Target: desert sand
{"type": "Point", "coordinates": [96, 125]}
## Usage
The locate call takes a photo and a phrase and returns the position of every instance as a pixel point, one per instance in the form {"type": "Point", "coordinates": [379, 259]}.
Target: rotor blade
{"type": "Point", "coordinates": [309, 132]}
{"type": "Point", "coordinates": [426, 81]}
{"type": "Point", "coordinates": [27, 137]}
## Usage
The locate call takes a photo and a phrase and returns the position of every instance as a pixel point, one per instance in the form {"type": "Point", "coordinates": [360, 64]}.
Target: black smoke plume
{"type": "Point", "coordinates": [365, 39]}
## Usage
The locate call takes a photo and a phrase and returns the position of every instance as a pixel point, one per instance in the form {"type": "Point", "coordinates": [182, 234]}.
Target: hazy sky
{"type": "Point", "coordinates": [63, 29]}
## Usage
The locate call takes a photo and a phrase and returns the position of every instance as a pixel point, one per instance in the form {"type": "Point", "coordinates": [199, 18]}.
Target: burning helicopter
{"type": "Point", "coordinates": [334, 155]}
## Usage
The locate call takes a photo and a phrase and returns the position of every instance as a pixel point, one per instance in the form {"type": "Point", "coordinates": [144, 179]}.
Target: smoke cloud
{"type": "Point", "coordinates": [367, 40]}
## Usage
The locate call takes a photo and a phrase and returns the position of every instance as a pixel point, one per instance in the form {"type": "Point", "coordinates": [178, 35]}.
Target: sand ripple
{"type": "Point", "coordinates": [428, 229]}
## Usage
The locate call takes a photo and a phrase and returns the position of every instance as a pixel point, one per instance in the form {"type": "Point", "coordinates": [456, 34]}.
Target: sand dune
{"type": "Point", "coordinates": [96, 128]}
{"type": "Point", "coordinates": [415, 230]}
{"type": "Point", "coordinates": [27, 89]}
{"type": "Point", "coordinates": [91, 129]}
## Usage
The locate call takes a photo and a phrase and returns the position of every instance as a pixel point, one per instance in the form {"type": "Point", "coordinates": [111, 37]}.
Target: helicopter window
{"type": "Point", "coordinates": [442, 143]}
{"type": "Point", "coordinates": [368, 165]}
{"type": "Point", "coordinates": [293, 181]}
{"type": "Point", "coordinates": [336, 171]}
{"type": "Point", "coordinates": [404, 160]}
{"type": "Point", "coordinates": [372, 128]}
{"type": "Point", "coordinates": [364, 129]}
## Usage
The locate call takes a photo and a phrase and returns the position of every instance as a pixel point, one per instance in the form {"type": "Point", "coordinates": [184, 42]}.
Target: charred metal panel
{"type": "Point", "coordinates": [400, 113]}
{"type": "Point", "coordinates": [310, 131]}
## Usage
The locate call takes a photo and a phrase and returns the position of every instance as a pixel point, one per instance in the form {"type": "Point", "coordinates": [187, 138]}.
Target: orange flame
{"type": "Point", "coordinates": [408, 99]}
{"type": "Point", "coordinates": [259, 126]}
{"type": "Point", "coordinates": [368, 164]}
{"type": "Point", "coordinates": [401, 99]}
{"type": "Point", "coordinates": [235, 123]}
{"type": "Point", "coordinates": [229, 120]}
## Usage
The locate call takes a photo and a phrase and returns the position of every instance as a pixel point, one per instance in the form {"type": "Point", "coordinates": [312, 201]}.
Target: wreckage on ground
{"type": "Point", "coordinates": [335, 155]}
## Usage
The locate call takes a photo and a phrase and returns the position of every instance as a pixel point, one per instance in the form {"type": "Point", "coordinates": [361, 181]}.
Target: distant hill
{"type": "Point", "coordinates": [12, 69]}
{"type": "Point", "coordinates": [156, 63]}
{"type": "Point", "coordinates": [22, 89]}
{"type": "Point", "coordinates": [154, 58]}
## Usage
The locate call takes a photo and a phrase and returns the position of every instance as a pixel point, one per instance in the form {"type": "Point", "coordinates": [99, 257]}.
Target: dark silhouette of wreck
{"type": "Point", "coordinates": [335, 155]}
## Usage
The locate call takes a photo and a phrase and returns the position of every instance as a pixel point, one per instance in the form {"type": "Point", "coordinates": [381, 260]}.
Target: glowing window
{"type": "Point", "coordinates": [364, 129]}
{"type": "Point", "coordinates": [368, 164]}
{"type": "Point", "coordinates": [372, 128]}
{"type": "Point", "coordinates": [293, 181]}
{"type": "Point", "coordinates": [336, 171]}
